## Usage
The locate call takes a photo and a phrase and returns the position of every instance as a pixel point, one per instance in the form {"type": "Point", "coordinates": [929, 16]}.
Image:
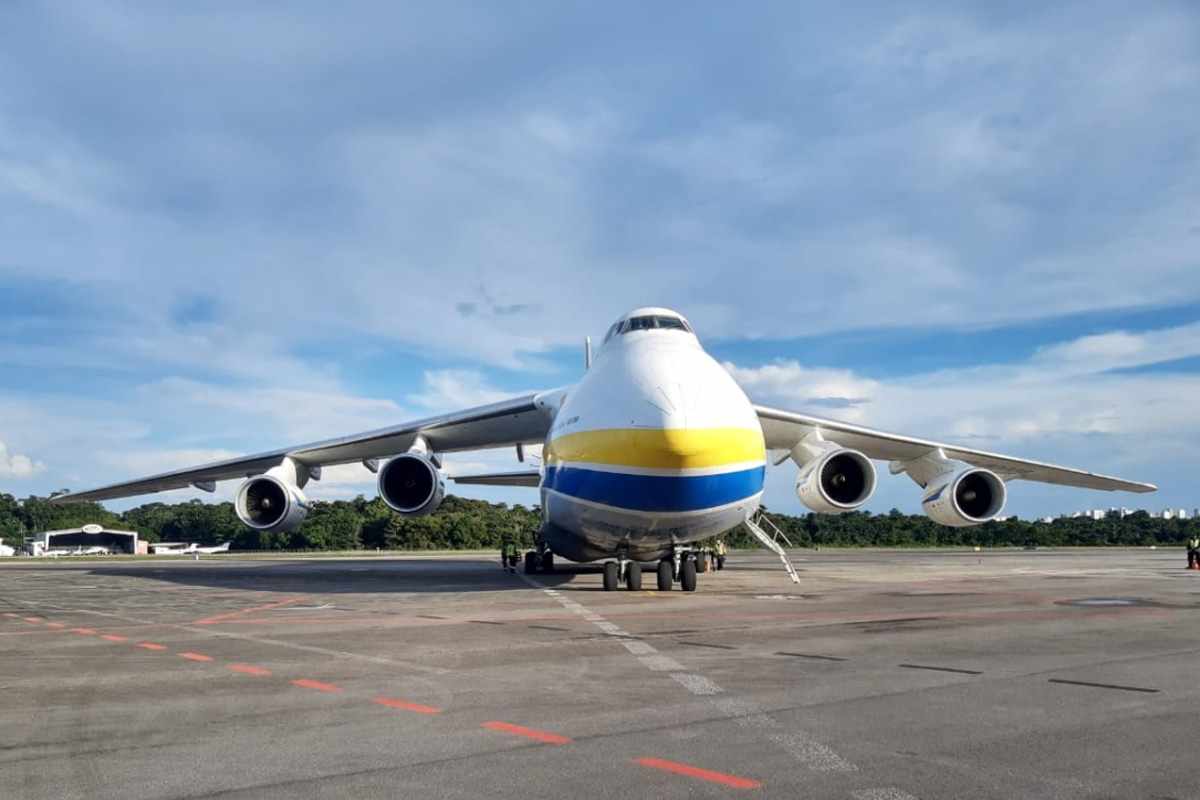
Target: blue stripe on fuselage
{"type": "Point", "coordinates": [655, 492]}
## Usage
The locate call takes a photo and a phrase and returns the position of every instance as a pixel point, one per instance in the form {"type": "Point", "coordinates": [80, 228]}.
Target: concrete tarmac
{"type": "Point", "coordinates": [884, 675]}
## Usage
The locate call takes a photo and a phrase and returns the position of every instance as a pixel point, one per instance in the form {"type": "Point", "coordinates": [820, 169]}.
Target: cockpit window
{"type": "Point", "coordinates": [652, 323]}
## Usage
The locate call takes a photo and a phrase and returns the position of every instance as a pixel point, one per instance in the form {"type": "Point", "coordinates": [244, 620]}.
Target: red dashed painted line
{"type": "Point", "coordinates": [529, 733]}
{"type": "Point", "coordinates": [219, 618]}
{"type": "Point", "coordinates": [732, 781]}
{"type": "Point", "coordinates": [249, 669]}
{"type": "Point", "coordinates": [545, 737]}
{"type": "Point", "coordinates": [305, 683]}
{"type": "Point", "coordinates": [404, 705]}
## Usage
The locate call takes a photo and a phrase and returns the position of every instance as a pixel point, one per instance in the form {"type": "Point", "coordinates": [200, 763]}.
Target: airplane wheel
{"type": "Point", "coordinates": [666, 575]}
{"type": "Point", "coordinates": [610, 576]}
{"type": "Point", "coordinates": [687, 575]}
{"type": "Point", "coordinates": [633, 576]}
{"type": "Point", "coordinates": [547, 561]}
{"type": "Point", "coordinates": [531, 563]}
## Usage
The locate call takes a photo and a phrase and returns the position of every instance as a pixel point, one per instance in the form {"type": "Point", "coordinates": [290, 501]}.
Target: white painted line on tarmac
{"type": "Point", "coordinates": [889, 793]}
{"type": "Point", "coordinates": [696, 684]}
{"type": "Point", "coordinates": [800, 745]}
{"type": "Point", "coordinates": [660, 663]}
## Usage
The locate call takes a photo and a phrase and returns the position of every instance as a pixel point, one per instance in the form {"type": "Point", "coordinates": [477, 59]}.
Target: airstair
{"type": "Point", "coordinates": [771, 540]}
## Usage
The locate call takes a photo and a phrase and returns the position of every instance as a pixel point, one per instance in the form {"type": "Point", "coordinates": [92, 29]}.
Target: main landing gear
{"type": "Point", "coordinates": [681, 568]}
{"type": "Point", "coordinates": [540, 560]}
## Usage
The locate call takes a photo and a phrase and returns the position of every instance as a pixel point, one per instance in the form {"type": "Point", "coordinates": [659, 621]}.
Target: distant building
{"type": "Point", "coordinates": [85, 539]}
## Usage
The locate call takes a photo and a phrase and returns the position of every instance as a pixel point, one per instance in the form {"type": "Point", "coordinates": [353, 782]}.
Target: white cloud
{"type": "Point", "coordinates": [823, 388]}
{"type": "Point", "coordinates": [16, 465]}
{"type": "Point", "coordinates": [446, 390]}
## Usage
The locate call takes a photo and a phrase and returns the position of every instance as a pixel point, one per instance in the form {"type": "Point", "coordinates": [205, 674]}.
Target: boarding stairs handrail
{"type": "Point", "coordinates": [765, 521]}
{"type": "Point", "coordinates": [771, 542]}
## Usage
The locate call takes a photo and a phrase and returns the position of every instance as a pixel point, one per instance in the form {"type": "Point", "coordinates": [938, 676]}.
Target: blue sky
{"type": "Point", "coordinates": [226, 228]}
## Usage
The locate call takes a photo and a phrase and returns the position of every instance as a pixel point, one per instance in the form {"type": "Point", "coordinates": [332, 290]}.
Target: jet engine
{"type": "Point", "coordinates": [271, 503]}
{"type": "Point", "coordinates": [970, 496]}
{"type": "Point", "coordinates": [836, 481]}
{"type": "Point", "coordinates": [411, 484]}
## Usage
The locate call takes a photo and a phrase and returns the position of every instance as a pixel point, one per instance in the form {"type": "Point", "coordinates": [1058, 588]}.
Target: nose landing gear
{"type": "Point", "coordinates": [666, 575]}
{"type": "Point", "coordinates": [620, 570]}
{"type": "Point", "coordinates": [682, 567]}
{"type": "Point", "coordinates": [687, 575]}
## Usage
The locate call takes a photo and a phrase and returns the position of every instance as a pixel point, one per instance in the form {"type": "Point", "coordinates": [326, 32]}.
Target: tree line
{"type": "Point", "coordinates": [462, 524]}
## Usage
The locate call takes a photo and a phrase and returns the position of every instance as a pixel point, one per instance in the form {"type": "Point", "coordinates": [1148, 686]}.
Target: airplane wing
{"type": "Point", "coordinates": [521, 477]}
{"type": "Point", "coordinates": [522, 420]}
{"type": "Point", "coordinates": [784, 429]}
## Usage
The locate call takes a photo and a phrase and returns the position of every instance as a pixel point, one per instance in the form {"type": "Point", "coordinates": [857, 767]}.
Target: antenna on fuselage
{"type": "Point", "coordinates": [587, 352]}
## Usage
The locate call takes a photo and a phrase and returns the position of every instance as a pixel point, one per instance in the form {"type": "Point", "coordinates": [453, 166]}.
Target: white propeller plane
{"type": "Point", "coordinates": [653, 450]}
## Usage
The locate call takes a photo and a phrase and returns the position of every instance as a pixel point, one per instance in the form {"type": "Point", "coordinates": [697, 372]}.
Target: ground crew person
{"type": "Point", "coordinates": [508, 553]}
{"type": "Point", "coordinates": [720, 554]}
{"type": "Point", "coordinates": [1194, 551]}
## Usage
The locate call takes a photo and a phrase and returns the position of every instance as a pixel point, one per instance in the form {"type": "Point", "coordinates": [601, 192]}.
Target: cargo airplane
{"type": "Point", "coordinates": [655, 449]}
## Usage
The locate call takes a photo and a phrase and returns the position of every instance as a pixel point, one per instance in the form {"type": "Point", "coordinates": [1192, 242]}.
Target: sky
{"type": "Point", "coordinates": [229, 227]}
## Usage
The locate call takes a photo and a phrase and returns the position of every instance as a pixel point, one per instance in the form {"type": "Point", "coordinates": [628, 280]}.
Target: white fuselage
{"type": "Point", "coordinates": [657, 446]}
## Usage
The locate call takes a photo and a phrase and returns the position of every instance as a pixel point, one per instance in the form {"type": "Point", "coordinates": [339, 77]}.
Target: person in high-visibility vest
{"type": "Point", "coordinates": [720, 554]}
{"type": "Point", "coordinates": [1193, 546]}
{"type": "Point", "coordinates": [508, 553]}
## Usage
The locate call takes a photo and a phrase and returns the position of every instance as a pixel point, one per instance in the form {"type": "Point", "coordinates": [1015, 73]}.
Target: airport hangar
{"type": "Point", "coordinates": [92, 536]}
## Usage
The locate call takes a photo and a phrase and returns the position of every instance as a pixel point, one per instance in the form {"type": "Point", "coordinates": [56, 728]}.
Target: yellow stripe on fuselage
{"type": "Point", "coordinates": [672, 448]}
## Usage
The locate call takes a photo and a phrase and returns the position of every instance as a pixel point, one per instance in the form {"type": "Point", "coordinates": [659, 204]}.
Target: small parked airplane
{"type": "Point", "coordinates": [655, 449]}
{"type": "Point", "coordinates": [181, 549]}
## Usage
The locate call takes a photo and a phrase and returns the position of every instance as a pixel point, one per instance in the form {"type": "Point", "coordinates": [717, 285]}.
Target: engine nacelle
{"type": "Point", "coordinates": [835, 481]}
{"type": "Point", "coordinates": [411, 484]}
{"type": "Point", "coordinates": [270, 503]}
{"type": "Point", "coordinates": [969, 496]}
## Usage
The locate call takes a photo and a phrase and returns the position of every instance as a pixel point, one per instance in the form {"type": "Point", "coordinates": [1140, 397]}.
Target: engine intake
{"type": "Point", "coordinates": [267, 503]}
{"type": "Point", "coordinates": [837, 481]}
{"type": "Point", "coordinates": [968, 497]}
{"type": "Point", "coordinates": [411, 484]}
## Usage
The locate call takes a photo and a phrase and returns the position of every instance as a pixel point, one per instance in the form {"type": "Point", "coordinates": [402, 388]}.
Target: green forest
{"type": "Point", "coordinates": [462, 524]}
